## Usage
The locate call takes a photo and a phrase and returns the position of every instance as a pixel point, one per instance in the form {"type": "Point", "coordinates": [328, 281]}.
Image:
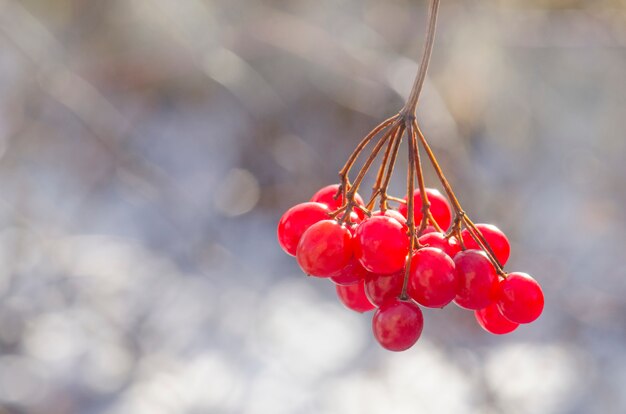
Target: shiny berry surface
{"type": "Point", "coordinates": [494, 236]}
{"type": "Point", "coordinates": [296, 221]}
{"type": "Point", "coordinates": [450, 246]}
{"type": "Point", "coordinates": [381, 244]}
{"type": "Point", "coordinates": [397, 325]}
{"type": "Point", "coordinates": [478, 280]}
{"type": "Point", "coordinates": [353, 297]}
{"type": "Point", "coordinates": [353, 273]}
{"type": "Point", "coordinates": [391, 213]}
{"type": "Point", "coordinates": [327, 194]}
{"type": "Point", "coordinates": [382, 288]}
{"type": "Point", "coordinates": [492, 321]}
{"type": "Point", "coordinates": [325, 248]}
{"type": "Point", "coordinates": [520, 298]}
{"type": "Point", "coordinates": [432, 279]}
{"type": "Point", "coordinates": [439, 207]}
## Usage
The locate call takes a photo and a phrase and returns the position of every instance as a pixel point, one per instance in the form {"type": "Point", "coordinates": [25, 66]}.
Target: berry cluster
{"type": "Point", "coordinates": [366, 258]}
{"type": "Point", "coordinates": [426, 252]}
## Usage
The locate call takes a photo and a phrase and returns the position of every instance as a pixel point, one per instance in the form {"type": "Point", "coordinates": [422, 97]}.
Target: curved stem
{"type": "Point", "coordinates": [411, 104]}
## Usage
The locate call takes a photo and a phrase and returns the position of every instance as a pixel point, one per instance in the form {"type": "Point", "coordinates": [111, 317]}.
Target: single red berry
{"type": "Point", "coordinates": [391, 213]}
{"type": "Point", "coordinates": [450, 246]}
{"type": "Point", "coordinates": [478, 280]}
{"type": "Point", "coordinates": [353, 273]}
{"type": "Point", "coordinates": [296, 221]}
{"type": "Point", "coordinates": [521, 298]}
{"type": "Point", "coordinates": [397, 325]}
{"type": "Point", "coordinates": [353, 297]}
{"type": "Point", "coordinates": [432, 280]}
{"type": "Point", "coordinates": [327, 194]}
{"type": "Point", "coordinates": [494, 236]}
{"type": "Point", "coordinates": [492, 321]}
{"type": "Point", "coordinates": [439, 207]}
{"type": "Point", "coordinates": [381, 244]}
{"type": "Point", "coordinates": [382, 288]}
{"type": "Point", "coordinates": [325, 248]}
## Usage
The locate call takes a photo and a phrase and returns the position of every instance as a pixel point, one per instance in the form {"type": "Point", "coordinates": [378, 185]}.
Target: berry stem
{"type": "Point", "coordinates": [385, 187]}
{"type": "Point", "coordinates": [408, 111]}
{"type": "Point", "coordinates": [420, 181]}
{"type": "Point", "coordinates": [410, 183]}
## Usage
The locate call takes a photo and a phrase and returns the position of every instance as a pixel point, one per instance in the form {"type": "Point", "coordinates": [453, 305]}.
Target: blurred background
{"type": "Point", "coordinates": [148, 148]}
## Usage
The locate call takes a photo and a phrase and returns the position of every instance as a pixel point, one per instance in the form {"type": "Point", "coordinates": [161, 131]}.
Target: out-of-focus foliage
{"type": "Point", "coordinates": [147, 149]}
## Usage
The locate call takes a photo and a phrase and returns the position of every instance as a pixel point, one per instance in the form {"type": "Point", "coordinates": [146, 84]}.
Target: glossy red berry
{"type": "Point", "coordinates": [353, 273]}
{"type": "Point", "coordinates": [478, 280]}
{"type": "Point", "coordinates": [353, 297]}
{"type": "Point", "coordinates": [450, 246]}
{"type": "Point", "coordinates": [494, 236]}
{"type": "Point", "coordinates": [327, 194]}
{"type": "Point", "coordinates": [439, 207]}
{"type": "Point", "coordinates": [520, 298]}
{"type": "Point", "coordinates": [382, 288]}
{"type": "Point", "coordinates": [397, 325]}
{"type": "Point", "coordinates": [296, 221]}
{"type": "Point", "coordinates": [325, 248]}
{"type": "Point", "coordinates": [492, 321]}
{"type": "Point", "coordinates": [391, 213]}
{"type": "Point", "coordinates": [381, 244]}
{"type": "Point", "coordinates": [432, 279]}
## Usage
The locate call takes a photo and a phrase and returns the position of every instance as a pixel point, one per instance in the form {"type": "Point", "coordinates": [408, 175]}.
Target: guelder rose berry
{"type": "Point", "coordinates": [397, 325]}
{"type": "Point", "coordinates": [381, 288]}
{"type": "Point", "coordinates": [296, 221]}
{"type": "Point", "coordinates": [439, 207]}
{"type": "Point", "coordinates": [520, 298]}
{"type": "Point", "coordinates": [450, 246]}
{"type": "Point", "coordinates": [478, 280]}
{"type": "Point", "coordinates": [492, 321]}
{"type": "Point", "coordinates": [327, 194]}
{"type": "Point", "coordinates": [494, 236]}
{"type": "Point", "coordinates": [432, 279]}
{"type": "Point", "coordinates": [353, 273]}
{"type": "Point", "coordinates": [325, 248]}
{"type": "Point", "coordinates": [353, 297]}
{"type": "Point", "coordinates": [381, 244]}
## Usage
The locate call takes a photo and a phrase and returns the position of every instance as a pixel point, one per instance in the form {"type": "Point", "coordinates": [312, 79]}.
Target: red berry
{"type": "Point", "coordinates": [353, 273]}
{"type": "Point", "coordinates": [494, 236]}
{"type": "Point", "coordinates": [296, 221]}
{"type": "Point", "coordinates": [397, 325]}
{"type": "Point", "coordinates": [492, 321]}
{"type": "Point", "coordinates": [381, 244]}
{"type": "Point", "coordinates": [439, 207]}
{"type": "Point", "coordinates": [353, 297]}
{"type": "Point", "coordinates": [382, 288]}
{"type": "Point", "coordinates": [450, 246]}
{"type": "Point", "coordinates": [325, 248]}
{"type": "Point", "coordinates": [432, 280]}
{"type": "Point", "coordinates": [478, 280]}
{"type": "Point", "coordinates": [327, 196]}
{"type": "Point", "coordinates": [521, 298]}
{"type": "Point", "coordinates": [391, 213]}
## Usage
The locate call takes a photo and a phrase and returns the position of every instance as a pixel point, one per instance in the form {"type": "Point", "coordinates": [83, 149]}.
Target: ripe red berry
{"type": "Point", "coordinates": [439, 207]}
{"type": "Point", "coordinates": [353, 297]}
{"type": "Point", "coordinates": [327, 194]}
{"type": "Point", "coordinates": [391, 213]}
{"type": "Point", "coordinates": [492, 321]}
{"type": "Point", "coordinates": [450, 246]}
{"type": "Point", "coordinates": [353, 273]}
{"type": "Point", "coordinates": [520, 298]}
{"type": "Point", "coordinates": [382, 288]}
{"type": "Point", "coordinates": [494, 236]}
{"type": "Point", "coordinates": [478, 280]}
{"type": "Point", "coordinates": [432, 280]}
{"type": "Point", "coordinates": [397, 325]}
{"type": "Point", "coordinates": [325, 248]}
{"type": "Point", "coordinates": [381, 244]}
{"type": "Point", "coordinates": [296, 221]}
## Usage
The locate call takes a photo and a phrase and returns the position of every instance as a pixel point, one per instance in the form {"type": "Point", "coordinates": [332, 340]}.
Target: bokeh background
{"type": "Point", "coordinates": [148, 148]}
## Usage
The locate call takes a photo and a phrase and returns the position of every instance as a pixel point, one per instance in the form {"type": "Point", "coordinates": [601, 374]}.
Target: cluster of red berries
{"type": "Point", "coordinates": [367, 255]}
